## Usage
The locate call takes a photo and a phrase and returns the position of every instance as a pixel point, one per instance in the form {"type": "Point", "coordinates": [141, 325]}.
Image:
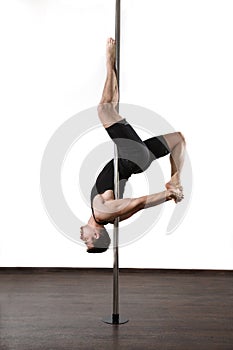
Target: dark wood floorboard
{"type": "Point", "coordinates": [168, 310]}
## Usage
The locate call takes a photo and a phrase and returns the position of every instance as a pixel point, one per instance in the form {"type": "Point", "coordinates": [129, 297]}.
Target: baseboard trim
{"type": "Point", "coordinates": [109, 270]}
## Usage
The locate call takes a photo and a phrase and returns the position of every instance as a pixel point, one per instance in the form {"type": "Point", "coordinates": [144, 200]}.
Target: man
{"type": "Point", "coordinates": [135, 156]}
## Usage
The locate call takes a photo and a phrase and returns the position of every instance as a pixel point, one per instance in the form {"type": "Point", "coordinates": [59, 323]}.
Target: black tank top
{"type": "Point", "coordinates": [105, 181]}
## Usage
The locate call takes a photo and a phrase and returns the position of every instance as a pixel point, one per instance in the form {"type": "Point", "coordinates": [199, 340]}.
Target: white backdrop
{"type": "Point", "coordinates": [176, 59]}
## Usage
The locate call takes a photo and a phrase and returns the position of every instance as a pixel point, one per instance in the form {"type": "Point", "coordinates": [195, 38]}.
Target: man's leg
{"type": "Point", "coordinates": [106, 109]}
{"type": "Point", "coordinates": [129, 144]}
{"type": "Point", "coordinates": [176, 143]}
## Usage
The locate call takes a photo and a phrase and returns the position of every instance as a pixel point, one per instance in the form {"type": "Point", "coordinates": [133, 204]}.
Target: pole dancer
{"type": "Point", "coordinates": [135, 156]}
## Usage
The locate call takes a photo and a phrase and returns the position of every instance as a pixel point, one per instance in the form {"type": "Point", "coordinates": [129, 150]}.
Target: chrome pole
{"type": "Point", "coordinates": [116, 319]}
{"type": "Point", "coordinates": [116, 173]}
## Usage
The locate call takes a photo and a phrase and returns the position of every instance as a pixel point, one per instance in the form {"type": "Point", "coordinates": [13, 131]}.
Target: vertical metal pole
{"type": "Point", "coordinates": [116, 174]}
{"type": "Point", "coordinates": [116, 319]}
{"type": "Point", "coordinates": [118, 40]}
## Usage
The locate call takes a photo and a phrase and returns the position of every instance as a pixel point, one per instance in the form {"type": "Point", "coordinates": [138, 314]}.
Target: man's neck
{"type": "Point", "coordinates": [93, 223]}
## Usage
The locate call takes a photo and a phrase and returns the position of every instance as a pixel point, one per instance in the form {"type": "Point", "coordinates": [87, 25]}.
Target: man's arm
{"type": "Point", "coordinates": [125, 208]}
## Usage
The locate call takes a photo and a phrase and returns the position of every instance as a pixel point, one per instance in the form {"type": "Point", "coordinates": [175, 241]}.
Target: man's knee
{"type": "Point", "coordinates": [173, 139]}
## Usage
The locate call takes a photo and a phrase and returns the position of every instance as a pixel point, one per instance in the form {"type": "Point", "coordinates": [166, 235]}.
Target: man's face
{"type": "Point", "coordinates": [88, 234]}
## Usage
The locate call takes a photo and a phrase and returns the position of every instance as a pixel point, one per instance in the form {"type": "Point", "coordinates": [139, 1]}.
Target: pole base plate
{"type": "Point", "coordinates": [115, 320]}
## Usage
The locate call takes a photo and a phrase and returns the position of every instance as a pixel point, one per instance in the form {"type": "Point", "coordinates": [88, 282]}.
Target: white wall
{"type": "Point", "coordinates": [176, 60]}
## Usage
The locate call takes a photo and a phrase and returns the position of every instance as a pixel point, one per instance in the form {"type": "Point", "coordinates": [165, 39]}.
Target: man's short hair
{"type": "Point", "coordinates": [102, 243]}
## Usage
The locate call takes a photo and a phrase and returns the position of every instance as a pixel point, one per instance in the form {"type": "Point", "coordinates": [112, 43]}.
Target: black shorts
{"type": "Point", "coordinates": [134, 156]}
{"type": "Point", "coordinates": [139, 154]}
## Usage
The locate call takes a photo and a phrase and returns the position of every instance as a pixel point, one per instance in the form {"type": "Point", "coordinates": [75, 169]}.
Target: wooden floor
{"type": "Point", "coordinates": [63, 309]}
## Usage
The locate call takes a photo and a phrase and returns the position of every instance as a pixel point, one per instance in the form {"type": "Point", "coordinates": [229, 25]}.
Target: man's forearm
{"type": "Point", "coordinates": [155, 199]}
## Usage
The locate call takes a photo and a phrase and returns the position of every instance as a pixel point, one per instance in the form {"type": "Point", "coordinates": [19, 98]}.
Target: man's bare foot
{"type": "Point", "coordinates": [175, 186]}
{"type": "Point", "coordinates": [174, 183]}
{"type": "Point", "coordinates": [111, 53]}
